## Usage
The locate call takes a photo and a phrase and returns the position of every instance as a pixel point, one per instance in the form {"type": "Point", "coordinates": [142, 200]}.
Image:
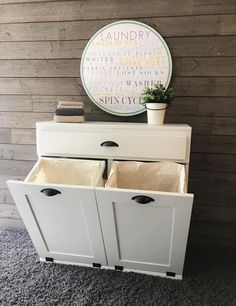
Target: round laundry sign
{"type": "Point", "coordinates": [119, 61]}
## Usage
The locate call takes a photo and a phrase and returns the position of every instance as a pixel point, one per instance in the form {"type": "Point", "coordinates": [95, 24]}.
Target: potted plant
{"type": "Point", "coordinates": [156, 100]}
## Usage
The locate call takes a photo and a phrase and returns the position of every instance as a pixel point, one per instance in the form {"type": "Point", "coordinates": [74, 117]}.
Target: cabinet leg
{"type": "Point", "coordinates": [119, 268]}
{"type": "Point", "coordinates": [172, 274]}
{"type": "Point", "coordinates": [49, 259]}
{"type": "Point", "coordinates": [96, 265]}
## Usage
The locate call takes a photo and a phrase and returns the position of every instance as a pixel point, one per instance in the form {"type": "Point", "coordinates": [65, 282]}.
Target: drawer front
{"type": "Point", "coordinates": [114, 144]}
{"type": "Point", "coordinates": [145, 230]}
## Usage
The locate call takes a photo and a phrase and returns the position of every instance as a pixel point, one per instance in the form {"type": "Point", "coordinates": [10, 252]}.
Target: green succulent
{"type": "Point", "coordinates": [157, 94]}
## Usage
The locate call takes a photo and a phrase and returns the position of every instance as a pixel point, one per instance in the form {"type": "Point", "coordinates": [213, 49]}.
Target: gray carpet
{"type": "Point", "coordinates": [210, 279]}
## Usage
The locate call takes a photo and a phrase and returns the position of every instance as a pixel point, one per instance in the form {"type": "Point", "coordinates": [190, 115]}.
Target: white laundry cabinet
{"type": "Point", "coordinates": [125, 229]}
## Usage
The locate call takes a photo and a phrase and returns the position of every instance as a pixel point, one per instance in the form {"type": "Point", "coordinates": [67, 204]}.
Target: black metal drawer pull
{"type": "Point", "coordinates": [49, 192]}
{"type": "Point", "coordinates": [141, 199]}
{"type": "Point", "coordinates": [109, 143]}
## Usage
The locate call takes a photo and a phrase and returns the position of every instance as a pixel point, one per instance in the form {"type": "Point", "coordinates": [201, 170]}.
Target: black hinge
{"type": "Point", "coordinates": [119, 268]}
{"type": "Point", "coordinates": [172, 274]}
{"type": "Point", "coordinates": [96, 265]}
{"type": "Point", "coordinates": [49, 259]}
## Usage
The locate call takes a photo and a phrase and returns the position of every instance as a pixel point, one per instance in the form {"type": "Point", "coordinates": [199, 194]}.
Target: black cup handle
{"type": "Point", "coordinates": [109, 143]}
{"type": "Point", "coordinates": [49, 192]}
{"type": "Point", "coordinates": [142, 199]}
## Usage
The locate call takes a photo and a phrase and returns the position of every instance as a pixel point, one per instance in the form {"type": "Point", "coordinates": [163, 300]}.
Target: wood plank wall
{"type": "Point", "coordinates": [40, 49]}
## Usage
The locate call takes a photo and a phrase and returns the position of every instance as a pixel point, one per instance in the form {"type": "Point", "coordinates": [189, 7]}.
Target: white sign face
{"type": "Point", "coordinates": [119, 61]}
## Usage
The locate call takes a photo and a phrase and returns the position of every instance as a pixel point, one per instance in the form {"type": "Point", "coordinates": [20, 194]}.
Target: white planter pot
{"type": "Point", "coordinates": [156, 113]}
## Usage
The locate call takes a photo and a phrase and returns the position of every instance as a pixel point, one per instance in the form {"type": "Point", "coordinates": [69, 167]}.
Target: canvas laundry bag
{"type": "Point", "coordinates": [68, 172]}
{"type": "Point", "coordinates": [155, 176]}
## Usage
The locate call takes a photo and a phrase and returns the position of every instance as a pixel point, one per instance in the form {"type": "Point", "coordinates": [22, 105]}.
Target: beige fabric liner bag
{"type": "Point", "coordinates": [155, 176]}
{"type": "Point", "coordinates": [68, 172]}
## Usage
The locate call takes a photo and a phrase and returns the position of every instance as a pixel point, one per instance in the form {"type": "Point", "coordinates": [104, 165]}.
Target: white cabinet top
{"type": "Point", "coordinates": [115, 125]}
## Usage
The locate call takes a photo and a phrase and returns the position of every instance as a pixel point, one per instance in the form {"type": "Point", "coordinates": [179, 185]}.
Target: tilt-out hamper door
{"type": "Point", "coordinates": [62, 221]}
{"type": "Point", "coordinates": [145, 230]}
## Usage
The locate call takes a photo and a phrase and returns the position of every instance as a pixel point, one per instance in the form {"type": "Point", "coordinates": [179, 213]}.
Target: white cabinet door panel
{"type": "Point", "coordinates": [64, 226]}
{"type": "Point", "coordinates": [149, 237]}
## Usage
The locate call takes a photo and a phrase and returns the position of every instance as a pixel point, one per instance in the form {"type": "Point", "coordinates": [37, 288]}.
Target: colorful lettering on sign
{"type": "Point", "coordinates": [119, 61]}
